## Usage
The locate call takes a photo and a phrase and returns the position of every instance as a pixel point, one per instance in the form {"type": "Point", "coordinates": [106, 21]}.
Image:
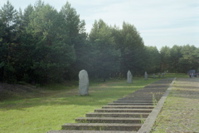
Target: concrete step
{"type": "Point", "coordinates": [122, 113]}
{"type": "Point", "coordinates": [101, 126]}
{"type": "Point", "coordinates": [135, 98]}
{"type": "Point", "coordinates": [89, 131]}
{"type": "Point", "coordinates": [124, 110]}
{"type": "Point", "coordinates": [117, 114]}
{"type": "Point", "coordinates": [133, 101]}
{"type": "Point", "coordinates": [109, 120]}
{"type": "Point", "coordinates": [129, 106]}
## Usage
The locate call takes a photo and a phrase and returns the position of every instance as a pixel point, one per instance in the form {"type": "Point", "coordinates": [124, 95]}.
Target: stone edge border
{"type": "Point", "coordinates": [149, 122]}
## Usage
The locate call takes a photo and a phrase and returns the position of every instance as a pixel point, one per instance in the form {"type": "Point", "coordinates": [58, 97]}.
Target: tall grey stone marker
{"type": "Point", "coordinates": [145, 76]}
{"type": "Point", "coordinates": [83, 83]}
{"type": "Point", "coordinates": [129, 77]}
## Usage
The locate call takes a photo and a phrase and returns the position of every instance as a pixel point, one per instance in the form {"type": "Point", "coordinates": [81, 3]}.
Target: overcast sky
{"type": "Point", "coordinates": [159, 22]}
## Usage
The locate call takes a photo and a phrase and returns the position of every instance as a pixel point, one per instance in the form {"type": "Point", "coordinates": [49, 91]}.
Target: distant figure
{"type": "Point", "coordinates": [192, 75]}
{"type": "Point", "coordinates": [153, 75]}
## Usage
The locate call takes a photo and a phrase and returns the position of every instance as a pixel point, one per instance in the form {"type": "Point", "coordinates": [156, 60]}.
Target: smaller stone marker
{"type": "Point", "coordinates": [129, 77]}
{"type": "Point", "coordinates": [154, 76]}
{"type": "Point", "coordinates": [163, 74]}
{"type": "Point", "coordinates": [159, 75]}
{"type": "Point", "coordinates": [83, 83]}
{"type": "Point", "coordinates": [145, 76]}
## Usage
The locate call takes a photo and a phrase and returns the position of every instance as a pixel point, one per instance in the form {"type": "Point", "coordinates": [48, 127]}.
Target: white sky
{"type": "Point", "coordinates": [159, 22]}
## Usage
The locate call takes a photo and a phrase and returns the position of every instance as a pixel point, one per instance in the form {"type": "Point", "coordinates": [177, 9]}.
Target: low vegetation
{"type": "Point", "coordinates": [54, 107]}
{"type": "Point", "coordinates": [180, 111]}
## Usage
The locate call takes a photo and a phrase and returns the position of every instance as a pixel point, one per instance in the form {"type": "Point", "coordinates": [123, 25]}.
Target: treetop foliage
{"type": "Point", "coordinates": [41, 45]}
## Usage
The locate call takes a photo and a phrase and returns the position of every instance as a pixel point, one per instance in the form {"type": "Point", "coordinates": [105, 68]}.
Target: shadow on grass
{"type": "Point", "coordinates": [99, 95]}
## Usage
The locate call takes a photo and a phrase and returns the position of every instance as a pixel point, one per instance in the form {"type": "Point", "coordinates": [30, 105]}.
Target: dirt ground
{"type": "Point", "coordinates": [180, 113]}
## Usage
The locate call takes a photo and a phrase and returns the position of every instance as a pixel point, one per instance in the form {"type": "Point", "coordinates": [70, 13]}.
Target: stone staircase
{"type": "Point", "coordinates": [125, 115]}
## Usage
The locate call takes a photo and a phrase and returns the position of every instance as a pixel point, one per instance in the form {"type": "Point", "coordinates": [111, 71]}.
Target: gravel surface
{"type": "Point", "coordinates": [180, 113]}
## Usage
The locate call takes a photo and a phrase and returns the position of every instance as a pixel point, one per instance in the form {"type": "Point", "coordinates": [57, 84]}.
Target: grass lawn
{"type": "Point", "coordinates": [58, 105]}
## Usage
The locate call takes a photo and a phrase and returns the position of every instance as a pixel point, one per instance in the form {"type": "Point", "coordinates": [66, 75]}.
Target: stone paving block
{"type": "Point", "coordinates": [109, 120]}
{"type": "Point", "coordinates": [124, 110]}
{"type": "Point", "coordinates": [101, 126]}
{"type": "Point", "coordinates": [129, 106]}
{"type": "Point", "coordinates": [120, 114]}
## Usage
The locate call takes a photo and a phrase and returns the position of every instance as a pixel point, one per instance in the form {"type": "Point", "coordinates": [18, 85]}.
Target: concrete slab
{"type": "Point", "coordinates": [129, 106]}
{"type": "Point", "coordinates": [101, 126]}
{"type": "Point", "coordinates": [109, 120]}
{"type": "Point", "coordinates": [124, 110]}
{"type": "Point", "coordinates": [89, 131]}
{"type": "Point", "coordinates": [117, 114]}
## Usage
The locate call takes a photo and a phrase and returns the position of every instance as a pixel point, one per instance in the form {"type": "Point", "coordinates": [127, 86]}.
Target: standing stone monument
{"type": "Point", "coordinates": [145, 76]}
{"type": "Point", "coordinates": [163, 75]}
{"type": "Point", "coordinates": [129, 77]}
{"type": "Point", "coordinates": [159, 75]}
{"type": "Point", "coordinates": [83, 83]}
{"type": "Point", "coordinates": [153, 75]}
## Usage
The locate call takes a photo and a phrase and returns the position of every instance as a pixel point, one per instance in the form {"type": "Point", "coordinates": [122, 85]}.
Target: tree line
{"type": "Point", "coordinates": [41, 45]}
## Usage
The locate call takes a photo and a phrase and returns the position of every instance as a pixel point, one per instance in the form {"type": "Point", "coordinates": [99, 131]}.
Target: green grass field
{"type": "Point", "coordinates": [59, 104]}
{"type": "Point", "coordinates": [56, 107]}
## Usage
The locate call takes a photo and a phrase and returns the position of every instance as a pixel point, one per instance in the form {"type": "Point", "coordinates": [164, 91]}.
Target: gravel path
{"type": "Point", "coordinates": [180, 113]}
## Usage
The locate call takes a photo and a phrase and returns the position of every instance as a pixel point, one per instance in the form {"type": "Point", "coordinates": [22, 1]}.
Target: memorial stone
{"type": "Point", "coordinates": [163, 74]}
{"type": "Point", "coordinates": [129, 77]}
{"type": "Point", "coordinates": [145, 76]}
{"type": "Point", "coordinates": [83, 83]}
